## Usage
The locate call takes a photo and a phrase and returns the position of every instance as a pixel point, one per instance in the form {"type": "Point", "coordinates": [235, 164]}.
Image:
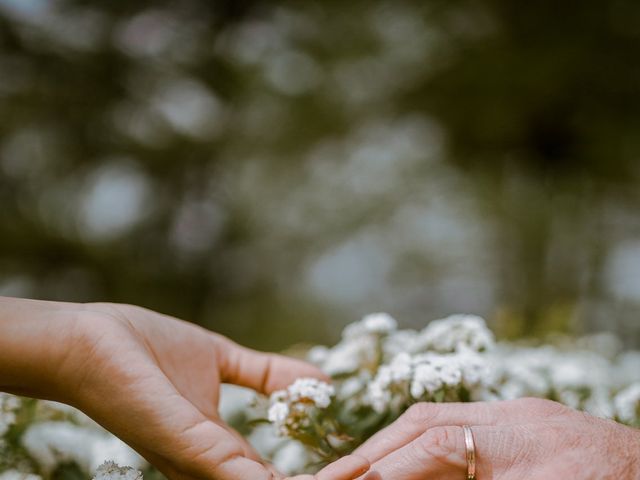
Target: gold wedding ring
{"type": "Point", "coordinates": [471, 452]}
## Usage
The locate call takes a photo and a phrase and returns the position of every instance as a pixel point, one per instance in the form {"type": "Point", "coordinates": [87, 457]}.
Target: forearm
{"type": "Point", "coordinates": [34, 339]}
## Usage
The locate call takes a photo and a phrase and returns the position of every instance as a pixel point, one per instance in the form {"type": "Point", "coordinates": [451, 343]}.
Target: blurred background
{"type": "Point", "coordinates": [275, 169]}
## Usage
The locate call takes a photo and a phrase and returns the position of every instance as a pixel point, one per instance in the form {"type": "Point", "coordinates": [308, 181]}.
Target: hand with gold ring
{"type": "Point", "coordinates": [519, 439]}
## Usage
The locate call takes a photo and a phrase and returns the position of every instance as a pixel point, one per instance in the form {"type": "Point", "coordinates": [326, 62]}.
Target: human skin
{"type": "Point", "coordinates": [527, 439]}
{"type": "Point", "coordinates": [151, 379]}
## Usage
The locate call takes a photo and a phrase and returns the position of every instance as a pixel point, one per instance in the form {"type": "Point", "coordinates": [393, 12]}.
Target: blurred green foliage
{"type": "Point", "coordinates": [271, 169]}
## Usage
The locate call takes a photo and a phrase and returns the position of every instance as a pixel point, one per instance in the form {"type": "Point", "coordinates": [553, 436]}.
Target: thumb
{"type": "Point", "coordinates": [148, 413]}
{"type": "Point", "coordinates": [263, 372]}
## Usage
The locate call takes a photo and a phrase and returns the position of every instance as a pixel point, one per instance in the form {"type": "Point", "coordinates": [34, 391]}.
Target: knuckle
{"type": "Point", "coordinates": [441, 443]}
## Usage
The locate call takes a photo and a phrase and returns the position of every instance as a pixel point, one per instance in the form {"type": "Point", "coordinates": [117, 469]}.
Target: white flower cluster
{"type": "Point", "coordinates": [426, 377]}
{"type": "Point", "coordinates": [360, 347]}
{"type": "Point", "coordinates": [53, 443]}
{"type": "Point", "coordinates": [445, 364]}
{"type": "Point", "coordinates": [455, 333]}
{"type": "Point", "coordinates": [291, 409]}
{"type": "Point", "coordinates": [375, 340]}
{"type": "Point", "coordinates": [9, 405]}
{"type": "Point", "coordinates": [578, 378]}
{"type": "Point", "coordinates": [111, 471]}
{"type": "Point", "coordinates": [53, 434]}
{"type": "Point", "coordinates": [381, 370]}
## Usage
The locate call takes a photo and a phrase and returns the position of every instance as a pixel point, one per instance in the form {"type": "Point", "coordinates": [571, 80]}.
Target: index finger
{"type": "Point", "coordinates": [437, 453]}
{"type": "Point", "coordinates": [421, 416]}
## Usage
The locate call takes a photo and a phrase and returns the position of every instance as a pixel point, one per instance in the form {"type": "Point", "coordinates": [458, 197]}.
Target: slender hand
{"type": "Point", "coordinates": [148, 378]}
{"type": "Point", "coordinates": [522, 439]}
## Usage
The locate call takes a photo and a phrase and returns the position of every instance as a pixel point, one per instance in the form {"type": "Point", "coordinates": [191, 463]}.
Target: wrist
{"type": "Point", "coordinates": [35, 339]}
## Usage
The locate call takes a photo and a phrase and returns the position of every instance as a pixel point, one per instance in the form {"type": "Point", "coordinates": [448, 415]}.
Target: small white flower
{"type": "Point", "coordinates": [570, 398]}
{"type": "Point", "coordinates": [318, 354]}
{"type": "Point", "coordinates": [278, 413]}
{"type": "Point", "coordinates": [378, 397]}
{"type": "Point", "coordinates": [349, 355]}
{"type": "Point", "coordinates": [450, 373]}
{"type": "Point", "coordinates": [600, 404]}
{"type": "Point", "coordinates": [626, 368]}
{"type": "Point", "coordinates": [399, 341]}
{"type": "Point", "coordinates": [400, 367]}
{"type": "Point", "coordinates": [9, 405]}
{"type": "Point", "coordinates": [568, 374]}
{"type": "Point", "coordinates": [627, 404]}
{"type": "Point", "coordinates": [380, 323]}
{"type": "Point", "coordinates": [453, 333]}
{"type": "Point", "coordinates": [426, 380]}
{"type": "Point", "coordinates": [234, 402]}
{"type": "Point", "coordinates": [474, 368]}
{"type": "Point", "coordinates": [293, 408]}
{"type": "Point", "coordinates": [372, 324]}
{"type": "Point", "coordinates": [352, 386]}
{"type": "Point", "coordinates": [318, 392]}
